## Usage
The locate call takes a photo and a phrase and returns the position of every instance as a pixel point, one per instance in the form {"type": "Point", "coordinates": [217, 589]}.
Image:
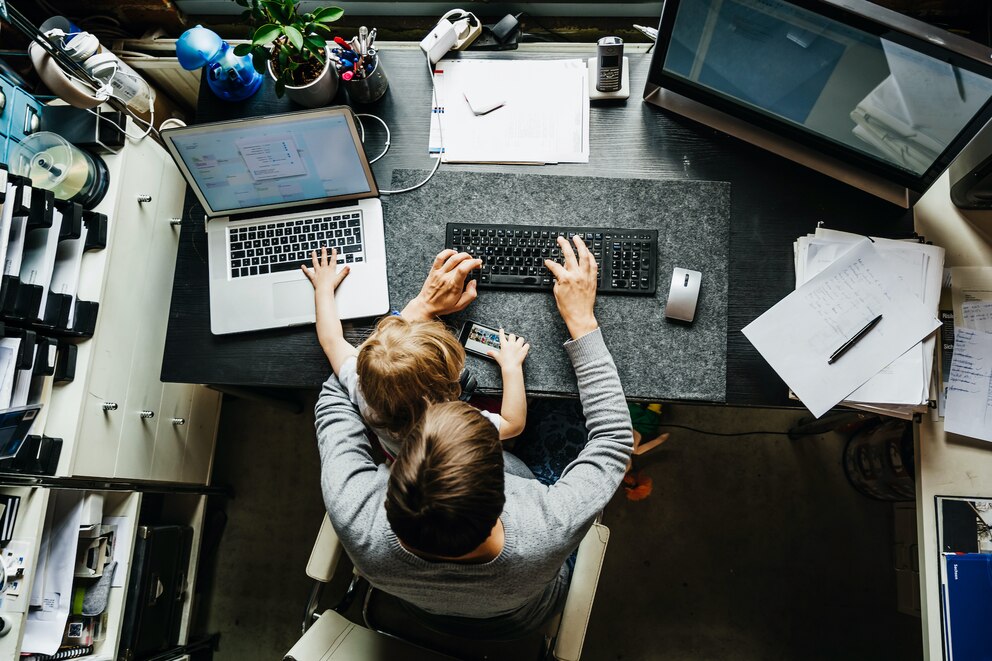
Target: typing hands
{"type": "Point", "coordinates": [445, 290]}
{"type": "Point", "coordinates": [575, 287]}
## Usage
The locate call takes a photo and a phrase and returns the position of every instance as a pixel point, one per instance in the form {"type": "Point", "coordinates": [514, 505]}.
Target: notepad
{"type": "Point", "coordinates": [799, 333]}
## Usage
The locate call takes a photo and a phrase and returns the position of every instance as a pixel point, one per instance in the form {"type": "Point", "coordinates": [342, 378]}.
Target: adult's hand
{"type": "Point", "coordinates": [575, 287]}
{"type": "Point", "coordinates": [445, 290]}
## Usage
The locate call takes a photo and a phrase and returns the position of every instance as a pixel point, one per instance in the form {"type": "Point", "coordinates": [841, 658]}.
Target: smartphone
{"type": "Point", "coordinates": [478, 339]}
{"type": "Point", "coordinates": [609, 57]}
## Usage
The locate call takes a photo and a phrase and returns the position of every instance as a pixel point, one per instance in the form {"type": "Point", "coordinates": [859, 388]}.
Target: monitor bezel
{"type": "Point", "coordinates": [868, 18]}
{"type": "Point", "coordinates": [283, 118]}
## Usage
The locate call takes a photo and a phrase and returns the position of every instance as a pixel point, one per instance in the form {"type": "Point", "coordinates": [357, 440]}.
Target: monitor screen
{"type": "Point", "coordinates": [860, 91]}
{"type": "Point", "coordinates": [271, 162]}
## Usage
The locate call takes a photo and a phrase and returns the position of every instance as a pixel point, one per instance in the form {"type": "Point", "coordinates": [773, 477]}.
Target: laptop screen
{"type": "Point", "coordinates": [273, 162]}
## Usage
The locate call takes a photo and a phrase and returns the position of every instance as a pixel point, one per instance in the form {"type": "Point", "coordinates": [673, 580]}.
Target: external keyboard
{"type": "Point", "coordinates": [283, 245]}
{"type": "Point", "coordinates": [513, 255]}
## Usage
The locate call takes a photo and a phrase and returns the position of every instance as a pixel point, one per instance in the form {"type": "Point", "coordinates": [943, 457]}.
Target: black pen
{"type": "Point", "coordinates": [854, 340]}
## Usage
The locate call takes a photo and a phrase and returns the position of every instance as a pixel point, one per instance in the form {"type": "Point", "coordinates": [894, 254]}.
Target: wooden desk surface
{"type": "Point", "coordinates": [773, 201]}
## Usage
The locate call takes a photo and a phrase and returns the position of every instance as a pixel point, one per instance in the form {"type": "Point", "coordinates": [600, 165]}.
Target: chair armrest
{"type": "Point", "coordinates": [326, 553]}
{"type": "Point", "coordinates": [581, 593]}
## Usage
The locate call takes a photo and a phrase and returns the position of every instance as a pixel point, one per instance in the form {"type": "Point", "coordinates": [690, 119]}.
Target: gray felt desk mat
{"type": "Point", "coordinates": [657, 359]}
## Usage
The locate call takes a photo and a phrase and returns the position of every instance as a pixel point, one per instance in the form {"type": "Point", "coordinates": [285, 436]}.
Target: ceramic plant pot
{"type": "Point", "coordinates": [317, 93]}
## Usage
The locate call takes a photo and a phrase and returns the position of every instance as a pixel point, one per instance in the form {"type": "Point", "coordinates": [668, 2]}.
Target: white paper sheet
{"type": "Point", "coordinates": [544, 118]}
{"type": "Point", "coordinates": [43, 627]}
{"type": "Point", "coordinates": [122, 547]}
{"type": "Point", "coordinates": [15, 246]}
{"type": "Point", "coordinates": [799, 333]}
{"type": "Point", "coordinates": [8, 369]}
{"type": "Point", "coordinates": [40, 247]}
{"type": "Point", "coordinates": [977, 315]}
{"type": "Point", "coordinates": [969, 389]}
{"type": "Point", "coordinates": [65, 275]}
{"type": "Point", "coordinates": [906, 381]}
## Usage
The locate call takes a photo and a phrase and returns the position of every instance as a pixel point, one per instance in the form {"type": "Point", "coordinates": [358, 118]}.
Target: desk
{"type": "Point", "coordinates": [947, 465]}
{"type": "Point", "coordinates": [772, 202]}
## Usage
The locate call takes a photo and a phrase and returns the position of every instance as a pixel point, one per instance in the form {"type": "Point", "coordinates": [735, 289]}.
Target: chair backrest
{"type": "Point", "coordinates": [333, 638]}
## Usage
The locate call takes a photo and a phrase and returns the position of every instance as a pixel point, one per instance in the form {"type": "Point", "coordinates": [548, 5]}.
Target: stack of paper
{"type": "Point", "coordinates": [843, 281]}
{"type": "Point", "coordinates": [541, 113]}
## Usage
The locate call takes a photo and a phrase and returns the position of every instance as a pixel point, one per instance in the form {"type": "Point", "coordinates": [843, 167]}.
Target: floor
{"type": "Point", "coordinates": [750, 547]}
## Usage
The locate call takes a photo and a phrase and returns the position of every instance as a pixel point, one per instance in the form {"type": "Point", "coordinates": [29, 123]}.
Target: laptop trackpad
{"type": "Point", "coordinates": [292, 299]}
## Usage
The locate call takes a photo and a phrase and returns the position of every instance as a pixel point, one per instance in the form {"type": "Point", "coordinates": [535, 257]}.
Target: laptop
{"type": "Point", "coordinates": [274, 189]}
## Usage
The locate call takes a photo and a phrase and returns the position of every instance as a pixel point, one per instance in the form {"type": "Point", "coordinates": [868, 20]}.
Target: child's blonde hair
{"type": "Point", "coordinates": [404, 367]}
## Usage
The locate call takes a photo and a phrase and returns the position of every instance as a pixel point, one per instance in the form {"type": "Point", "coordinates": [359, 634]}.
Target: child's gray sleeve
{"type": "Point", "coordinates": [348, 377]}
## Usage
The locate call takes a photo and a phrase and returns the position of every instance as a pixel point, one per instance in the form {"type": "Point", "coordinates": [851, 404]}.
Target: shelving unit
{"type": "Point", "coordinates": [124, 433]}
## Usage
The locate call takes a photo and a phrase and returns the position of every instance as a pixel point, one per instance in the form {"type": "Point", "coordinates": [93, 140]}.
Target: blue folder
{"type": "Point", "coordinates": [967, 596]}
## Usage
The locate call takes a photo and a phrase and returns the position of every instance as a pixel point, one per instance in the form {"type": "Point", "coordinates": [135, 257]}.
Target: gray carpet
{"type": "Point", "coordinates": [657, 359]}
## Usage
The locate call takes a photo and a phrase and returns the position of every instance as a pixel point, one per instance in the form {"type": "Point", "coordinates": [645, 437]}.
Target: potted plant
{"type": "Point", "coordinates": [292, 47]}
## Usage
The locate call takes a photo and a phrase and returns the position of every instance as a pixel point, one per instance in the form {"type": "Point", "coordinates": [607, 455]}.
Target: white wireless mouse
{"type": "Point", "coordinates": [683, 294]}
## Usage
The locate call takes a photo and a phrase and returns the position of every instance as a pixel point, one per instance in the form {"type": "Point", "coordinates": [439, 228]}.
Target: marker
{"type": "Point", "coordinates": [342, 43]}
{"type": "Point", "coordinates": [347, 75]}
{"type": "Point", "coordinates": [854, 340]}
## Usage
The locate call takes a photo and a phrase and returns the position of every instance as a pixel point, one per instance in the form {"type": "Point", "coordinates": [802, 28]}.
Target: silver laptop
{"type": "Point", "coordinates": [274, 189]}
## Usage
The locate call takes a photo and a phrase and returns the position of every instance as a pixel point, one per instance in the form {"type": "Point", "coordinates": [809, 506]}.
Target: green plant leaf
{"type": "Point", "coordinates": [283, 59]}
{"type": "Point", "coordinates": [328, 14]}
{"type": "Point", "coordinates": [242, 49]}
{"type": "Point", "coordinates": [259, 58]}
{"type": "Point", "coordinates": [280, 88]}
{"type": "Point", "coordinates": [266, 34]}
{"type": "Point", "coordinates": [294, 35]}
{"type": "Point", "coordinates": [321, 27]}
{"type": "Point", "coordinates": [315, 44]}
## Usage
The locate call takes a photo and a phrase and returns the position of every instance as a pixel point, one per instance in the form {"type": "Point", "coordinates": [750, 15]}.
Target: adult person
{"type": "Point", "coordinates": [458, 529]}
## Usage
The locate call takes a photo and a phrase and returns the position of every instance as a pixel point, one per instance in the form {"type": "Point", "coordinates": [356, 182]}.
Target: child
{"type": "Point", "coordinates": [406, 365]}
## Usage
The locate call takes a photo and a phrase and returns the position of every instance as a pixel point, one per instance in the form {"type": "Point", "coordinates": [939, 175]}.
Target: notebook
{"type": "Point", "coordinates": [274, 190]}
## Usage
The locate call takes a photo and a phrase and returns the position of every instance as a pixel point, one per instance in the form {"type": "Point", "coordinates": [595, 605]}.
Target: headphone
{"type": "Point", "coordinates": [68, 89]}
{"type": "Point", "coordinates": [468, 383]}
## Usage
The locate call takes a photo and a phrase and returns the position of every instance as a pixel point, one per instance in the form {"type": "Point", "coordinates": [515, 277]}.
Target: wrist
{"type": "Point", "coordinates": [581, 326]}
{"type": "Point", "coordinates": [417, 310]}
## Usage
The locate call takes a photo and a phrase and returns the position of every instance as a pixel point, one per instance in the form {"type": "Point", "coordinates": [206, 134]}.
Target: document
{"type": "Point", "coordinates": [977, 315]}
{"type": "Point", "coordinates": [272, 157]}
{"type": "Point", "coordinates": [544, 117]}
{"type": "Point", "coordinates": [9, 346]}
{"type": "Point", "coordinates": [902, 387]}
{"type": "Point", "coordinates": [40, 247]}
{"type": "Point", "coordinates": [969, 283]}
{"type": "Point", "coordinates": [800, 333]}
{"type": "Point", "coordinates": [52, 591]}
{"type": "Point", "coordinates": [65, 275]}
{"type": "Point", "coordinates": [969, 389]}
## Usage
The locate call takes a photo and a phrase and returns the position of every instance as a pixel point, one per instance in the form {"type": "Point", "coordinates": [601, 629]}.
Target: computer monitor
{"type": "Point", "coordinates": [858, 92]}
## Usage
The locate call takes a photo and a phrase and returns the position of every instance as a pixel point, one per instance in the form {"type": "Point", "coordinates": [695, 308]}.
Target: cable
{"type": "Point", "coordinates": [717, 433]}
{"type": "Point", "coordinates": [384, 125]}
{"type": "Point", "coordinates": [440, 132]}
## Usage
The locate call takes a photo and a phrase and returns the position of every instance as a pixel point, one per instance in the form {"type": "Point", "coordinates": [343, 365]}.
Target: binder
{"type": "Point", "coordinates": [65, 362]}
{"type": "Point", "coordinates": [155, 590]}
{"type": "Point", "coordinates": [966, 591]}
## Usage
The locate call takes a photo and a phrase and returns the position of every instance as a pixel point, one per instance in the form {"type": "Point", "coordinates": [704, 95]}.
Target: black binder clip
{"type": "Point", "coordinates": [21, 201]}
{"type": "Point", "coordinates": [84, 321]}
{"type": "Point", "coordinates": [57, 309]}
{"type": "Point", "coordinates": [65, 362]}
{"type": "Point", "coordinates": [26, 350]}
{"type": "Point", "coordinates": [27, 303]}
{"type": "Point", "coordinates": [96, 230]}
{"type": "Point", "coordinates": [9, 284]}
{"type": "Point", "coordinates": [44, 360]}
{"type": "Point", "coordinates": [42, 209]}
{"type": "Point", "coordinates": [72, 220]}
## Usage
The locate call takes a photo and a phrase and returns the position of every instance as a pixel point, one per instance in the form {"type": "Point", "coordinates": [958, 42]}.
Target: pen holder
{"type": "Point", "coordinates": [370, 88]}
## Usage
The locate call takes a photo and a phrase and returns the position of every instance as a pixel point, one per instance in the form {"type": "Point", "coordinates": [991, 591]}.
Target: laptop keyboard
{"type": "Point", "coordinates": [283, 245]}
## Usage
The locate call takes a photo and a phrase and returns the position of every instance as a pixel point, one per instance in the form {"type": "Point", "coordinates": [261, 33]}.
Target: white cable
{"type": "Point", "coordinates": [384, 125]}
{"type": "Point", "coordinates": [430, 68]}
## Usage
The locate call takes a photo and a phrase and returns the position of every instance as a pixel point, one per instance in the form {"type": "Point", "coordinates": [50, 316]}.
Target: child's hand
{"type": "Point", "coordinates": [512, 351]}
{"type": "Point", "coordinates": [324, 275]}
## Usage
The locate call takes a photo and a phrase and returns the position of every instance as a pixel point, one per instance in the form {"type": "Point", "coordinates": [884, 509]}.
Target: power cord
{"type": "Point", "coordinates": [384, 125]}
{"type": "Point", "coordinates": [437, 164]}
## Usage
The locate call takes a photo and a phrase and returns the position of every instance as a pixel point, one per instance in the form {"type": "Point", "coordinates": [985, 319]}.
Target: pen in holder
{"type": "Point", "coordinates": [369, 86]}
{"type": "Point", "coordinates": [358, 63]}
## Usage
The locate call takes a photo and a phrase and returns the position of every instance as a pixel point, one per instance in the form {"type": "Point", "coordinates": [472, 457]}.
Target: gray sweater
{"type": "Point", "coordinates": [528, 581]}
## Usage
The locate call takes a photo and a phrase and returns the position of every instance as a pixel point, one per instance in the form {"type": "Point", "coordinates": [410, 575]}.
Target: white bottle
{"type": "Point", "coordinates": [126, 84]}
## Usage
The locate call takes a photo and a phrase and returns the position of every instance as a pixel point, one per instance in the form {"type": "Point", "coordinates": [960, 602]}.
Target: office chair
{"type": "Point", "coordinates": [331, 637]}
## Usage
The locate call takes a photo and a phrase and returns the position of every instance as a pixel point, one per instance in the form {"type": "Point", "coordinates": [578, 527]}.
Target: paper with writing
{"type": "Point", "coordinates": [969, 389]}
{"type": "Point", "coordinates": [798, 334]}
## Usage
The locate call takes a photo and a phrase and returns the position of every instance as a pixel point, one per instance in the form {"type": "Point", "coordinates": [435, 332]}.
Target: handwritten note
{"type": "Point", "coordinates": [969, 388]}
{"type": "Point", "coordinates": [977, 315]}
{"type": "Point", "coordinates": [799, 333]}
